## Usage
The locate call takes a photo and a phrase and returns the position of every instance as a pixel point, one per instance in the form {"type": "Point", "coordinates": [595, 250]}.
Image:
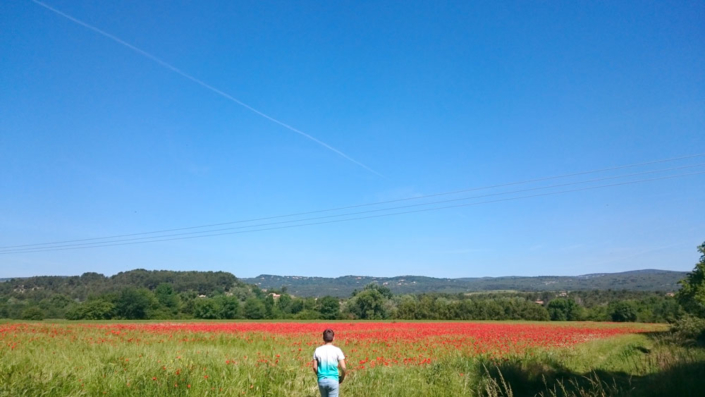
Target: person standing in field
{"type": "Point", "coordinates": [326, 361]}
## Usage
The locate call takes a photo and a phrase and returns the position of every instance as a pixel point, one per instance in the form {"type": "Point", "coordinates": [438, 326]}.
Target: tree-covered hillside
{"type": "Point", "coordinates": [144, 294]}
{"type": "Point", "coordinates": [80, 287]}
{"type": "Point", "coordinates": [641, 280]}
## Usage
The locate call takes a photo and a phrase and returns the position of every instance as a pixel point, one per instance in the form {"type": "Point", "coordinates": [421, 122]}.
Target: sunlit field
{"type": "Point", "coordinates": [273, 358]}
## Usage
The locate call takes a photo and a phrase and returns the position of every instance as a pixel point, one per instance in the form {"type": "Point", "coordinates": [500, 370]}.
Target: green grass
{"type": "Point", "coordinates": [66, 360]}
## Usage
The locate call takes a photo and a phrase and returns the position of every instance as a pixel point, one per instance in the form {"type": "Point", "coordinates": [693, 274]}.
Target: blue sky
{"type": "Point", "coordinates": [98, 140]}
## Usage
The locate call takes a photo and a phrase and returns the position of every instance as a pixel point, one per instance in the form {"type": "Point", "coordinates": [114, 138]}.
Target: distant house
{"type": "Point", "coordinates": [538, 302]}
{"type": "Point", "coordinates": [275, 296]}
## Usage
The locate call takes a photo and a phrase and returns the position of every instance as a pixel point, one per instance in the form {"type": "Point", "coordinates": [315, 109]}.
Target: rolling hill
{"type": "Point", "coordinates": [638, 280]}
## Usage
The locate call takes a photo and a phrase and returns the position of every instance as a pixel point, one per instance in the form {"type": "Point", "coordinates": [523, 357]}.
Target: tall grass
{"type": "Point", "coordinates": [630, 366]}
{"type": "Point", "coordinates": [93, 362]}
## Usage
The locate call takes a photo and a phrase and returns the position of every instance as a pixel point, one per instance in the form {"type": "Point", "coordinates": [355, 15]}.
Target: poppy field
{"type": "Point", "coordinates": [273, 358]}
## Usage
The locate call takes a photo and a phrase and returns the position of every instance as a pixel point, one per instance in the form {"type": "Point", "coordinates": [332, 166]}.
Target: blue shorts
{"type": "Point", "coordinates": [328, 387]}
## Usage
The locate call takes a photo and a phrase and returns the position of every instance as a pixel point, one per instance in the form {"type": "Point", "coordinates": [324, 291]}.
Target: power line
{"type": "Point", "coordinates": [38, 245]}
{"type": "Point", "coordinates": [370, 211]}
{"type": "Point", "coordinates": [160, 239]}
{"type": "Point", "coordinates": [201, 83]}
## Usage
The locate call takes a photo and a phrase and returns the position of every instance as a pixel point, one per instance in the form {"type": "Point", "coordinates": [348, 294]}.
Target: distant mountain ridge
{"type": "Point", "coordinates": [636, 280]}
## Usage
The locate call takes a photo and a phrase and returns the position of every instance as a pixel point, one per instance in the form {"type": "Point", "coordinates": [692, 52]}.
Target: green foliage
{"type": "Point", "coordinates": [135, 303]}
{"type": "Point", "coordinates": [285, 304]}
{"type": "Point", "coordinates": [641, 280]}
{"type": "Point", "coordinates": [271, 311]}
{"type": "Point", "coordinates": [689, 328]}
{"type": "Point", "coordinates": [229, 307]}
{"type": "Point", "coordinates": [383, 290]}
{"type": "Point", "coordinates": [296, 306]}
{"type": "Point", "coordinates": [368, 305]}
{"type": "Point", "coordinates": [170, 295]}
{"type": "Point", "coordinates": [330, 308]}
{"type": "Point", "coordinates": [624, 311]}
{"type": "Point", "coordinates": [60, 301]}
{"type": "Point", "coordinates": [308, 315]}
{"type": "Point", "coordinates": [33, 313]}
{"type": "Point", "coordinates": [201, 364]}
{"type": "Point", "coordinates": [563, 309]}
{"type": "Point", "coordinates": [97, 309]}
{"type": "Point", "coordinates": [79, 287]}
{"type": "Point", "coordinates": [206, 308]}
{"type": "Point", "coordinates": [167, 297]}
{"type": "Point", "coordinates": [692, 293]}
{"type": "Point", "coordinates": [254, 309]}
{"type": "Point", "coordinates": [441, 307]}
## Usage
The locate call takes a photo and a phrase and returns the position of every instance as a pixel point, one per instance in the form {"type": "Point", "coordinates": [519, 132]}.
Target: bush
{"type": "Point", "coordinates": [254, 309]}
{"type": "Point", "coordinates": [562, 309]}
{"type": "Point", "coordinates": [689, 328]}
{"type": "Point", "coordinates": [91, 310]}
{"type": "Point", "coordinates": [33, 313]}
{"type": "Point", "coordinates": [206, 308]}
{"type": "Point", "coordinates": [308, 315]}
{"type": "Point", "coordinates": [624, 312]}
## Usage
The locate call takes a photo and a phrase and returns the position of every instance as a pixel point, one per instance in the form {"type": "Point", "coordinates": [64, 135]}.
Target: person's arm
{"type": "Point", "coordinates": [315, 366]}
{"type": "Point", "coordinates": [341, 365]}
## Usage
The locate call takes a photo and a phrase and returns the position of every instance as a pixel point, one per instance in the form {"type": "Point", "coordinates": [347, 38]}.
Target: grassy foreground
{"type": "Point", "coordinates": [387, 359]}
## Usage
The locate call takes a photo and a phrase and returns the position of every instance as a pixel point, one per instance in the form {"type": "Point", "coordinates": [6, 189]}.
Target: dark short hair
{"type": "Point", "coordinates": [328, 335]}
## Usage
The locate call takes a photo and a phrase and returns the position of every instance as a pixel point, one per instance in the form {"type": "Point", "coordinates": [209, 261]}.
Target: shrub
{"type": "Point", "coordinates": [33, 313]}
{"type": "Point", "coordinates": [308, 315]}
{"type": "Point", "coordinates": [624, 312]}
{"type": "Point", "coordinates": [689, 328]}
{"type": "Point", "coordinates": [91, 310]}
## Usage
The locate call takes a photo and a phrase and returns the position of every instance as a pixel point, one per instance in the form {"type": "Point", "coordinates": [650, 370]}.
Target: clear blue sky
{"type": "Point", "coordinates": [99, 140]}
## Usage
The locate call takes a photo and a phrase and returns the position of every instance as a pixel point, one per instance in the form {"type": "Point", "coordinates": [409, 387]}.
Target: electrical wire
{"type": "Point", "coordinates": [375, 210]}
{"type": "Point", "coordinates": [160, 239]}
{"type": "Point", "coordinates": [360, 205]}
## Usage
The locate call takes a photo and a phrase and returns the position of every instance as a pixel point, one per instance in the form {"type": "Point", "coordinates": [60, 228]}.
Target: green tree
{"type": "Point", "coordinates": [33, 313]}
{"type": "Point", "coordinates": [692, 293]}
{"type": "Point", "coordinates": [134, 303]}
{"type": "Point", "coordinates": [297, 305]}
{"type": "Point", "coordinates": [167, 297]}
{"type": "Point", "coordinates": [308, 315]}
{"type": "Point", "coordinates": [386, 292]}
{"type": "Point", "coordinates": [254, 309]}
{"type": "Point", "coordinates": [406, 309]}
{"type": "Point", "coordinates": [284, 303]}
{"type": "Point", "coordinates": [229, 307]}
{"type": "Point", "coordinates": [269, 307]}
{"type": "Point", "coordinates": [624, 311]}
{"type": "Point", "coordinates": [368, 305]}
{"type": "Point", "coordinates": [61, 301]}
{"type": "Point", "coordinates": [206, 308]}
{"type": "Point", "coordinates": [330, 308]}
{"type": "Point", "coordinates": [562, 309]}
{"type": "Point", "coordinates": [96, 309]}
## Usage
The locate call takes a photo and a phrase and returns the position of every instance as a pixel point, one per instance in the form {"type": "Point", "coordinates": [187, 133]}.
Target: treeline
{"type": "Point", "coordinates": [617, 306]}
{"type": "Point", "coordinates": [639, 280]}
{"type": "Point", "coordinates": [80, 287]}
{"type": "Point", "coordinates": [142, 294]}
{"type": "Point", "coordinates": [95, 296]}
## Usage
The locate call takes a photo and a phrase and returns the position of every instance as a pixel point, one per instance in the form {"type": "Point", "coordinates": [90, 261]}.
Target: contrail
{"type": "Point", "coordinates": [201, 83]}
